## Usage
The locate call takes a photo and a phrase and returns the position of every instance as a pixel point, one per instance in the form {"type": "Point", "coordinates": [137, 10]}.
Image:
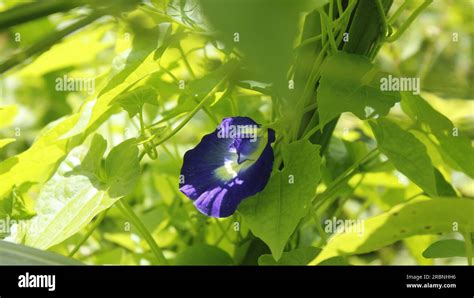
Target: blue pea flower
{"type": "Point", "coordinates": [230, 164]}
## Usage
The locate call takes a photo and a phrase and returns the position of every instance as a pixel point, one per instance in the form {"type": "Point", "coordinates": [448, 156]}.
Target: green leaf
{"type": "Point", "coordinates": [76, 194]}
{"type": "Point", "coordinates": [134, 72]}
{"type": "Point", "coordinates": [417, 217]}
{"type": "Point", "coordinates": [139, 65]}
{"type": "Point", "coordinates": [14, 207]}
{"type": "Point", "coordinates": [447, 248]}
{"type": "Point", "coordinates": [36, 164]}
{"type": "Point", "coordinates": [335, 261]}
{"type": "Point", "coordinates": [343, 154]}
{"type": "Point", "coordinates": [7, 114]}
{"type": "Point", "coordinates": [265, 39]}
{"type": "Point", "coordinates": [424, 116]}
{"type": "Point", "coordinates": [82, 49]}
{"type": "Point", "coordinates": [459, 150]}
{"type": "Point", "coordinates": [349, 83]}
{"type": "Point", "coordinates": [453, 146]}
{"type": "Point", "coordinates": [417, 244]}
{"type": "Point", "coordinates": [197, 89]}
{"type": "Point", "coordinates": [443, 188]}
{"type": "Point", "coordinates": [39, 162]}
{"type": "Point", "coordinates": [144, 43]}
{"type": "Point", "coordinates": [202, 86]}
{"type": "Point", "coordinates": [299, 256]}
{"type": "Point", "coordinates": [165, 38]}
{"type": "Point", "coordinates": [202, 254]}
{"type": "Point", "coordinates": [4, 142]}
{"type": "Point", "coordinates": [406, 153]}
{"type": "Point", "coordinates": [133, 101]}
{"type": "Point", "coordinates": [17, 254]}
{"type": "Point", "coordinates": [83, 118]}
{"type": "Point", "coordinates": [61, 136]}
{"type": "Point", "coordinates": [66, 203]}
{"type": "Point", "coordinates": [92, 160]}
{"type": "Point", "coordinates": [274, 213]}
{"type": "Point", "coordinates": [122, 168]}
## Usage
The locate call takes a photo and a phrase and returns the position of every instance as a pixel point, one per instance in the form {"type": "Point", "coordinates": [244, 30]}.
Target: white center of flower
{"type": "Point", "coordinates": [229, 167]}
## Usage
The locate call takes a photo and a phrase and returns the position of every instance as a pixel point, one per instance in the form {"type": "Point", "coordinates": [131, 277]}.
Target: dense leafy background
{"type": "Point", "coordinates": [167, 71]}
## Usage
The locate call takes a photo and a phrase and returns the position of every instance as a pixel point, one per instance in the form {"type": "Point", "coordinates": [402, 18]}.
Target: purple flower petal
{"type": "Point", "coordinates": [227, 166]}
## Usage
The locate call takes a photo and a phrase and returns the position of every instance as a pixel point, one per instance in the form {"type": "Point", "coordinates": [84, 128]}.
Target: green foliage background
{"type": "Point", "coordinates": [92, 177]}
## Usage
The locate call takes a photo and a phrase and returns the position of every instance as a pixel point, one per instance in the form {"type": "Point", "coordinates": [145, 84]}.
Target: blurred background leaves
{"type": "Point", "coordinates": [182, 49]}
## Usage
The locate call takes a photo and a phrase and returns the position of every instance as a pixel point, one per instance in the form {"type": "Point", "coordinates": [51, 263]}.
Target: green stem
{"type": "Point", "coordinates": [309, 41]}
{"type": "Point", "coordinates": [48, 41]}
{"type": "Point", "coordinates": [342, 201]}
{"type": "Point", "coordinates": [24, 13]}
{"type": "Point", "coordinates": [164, 119]}
{"type": "Point", "coordinates": [322, 233]}
{"type": "Point", "coordinates": [323, 30]}
{"type": "Point", "coordinates": [383, 18]}
{"type": "Point", "coordinates": [208, 113]}
{"type": "Point", "coordinates": [233, 105]}
{"type": "Point", "coordinates": [166, 17]}
{"type": "Point", "coordinates": [278, 161]}
{"type": "Point", "coordinates": [313, 77]}
{"type": "Point", "coordinates": [311, 132]}
{"type": "Point", "coordinates": [374, 51]}
{"type": "Point", "coordinates": [398, 12]}
{"type": "Point", "coordinates": [331, 11]}
{"type": "Point", "coordinates": [364, 35]}
{"type": "Point", "coordinates": [142, 155]}
{"type": "Point", "coordinates": [342, 23]}
{"type": "Point", "coordinates": [224, 232]}
{"type": "Point", "coordinates": [310, 107]}
{"type": "Point", "coordinates": [193, 112]}
{"type": "Point", "coordinates": [415, 196]}
{"type": "Point", "coordinates": [319, 199]}
{"type": "Point", "coordinates": [329, 29]}
{"type": "Point", "coordinates": [168, 72]}
{"type": "Point", "coordinates": [128, 212]}
{"type": "Point", "coordinates": [186, 62]}
{"type": "Point", "coordinates": [173, 157]}
{"type": "Point", "coordinates": [408, 22]}
{"type": "Point", "coordinates": [91, 230]}
{"type": "Point", "coordinates": [142, 123]}
{"type": "Point", "coordinates": [339, 8]}
{"type": "Point", "coordinates": [191, 72]}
